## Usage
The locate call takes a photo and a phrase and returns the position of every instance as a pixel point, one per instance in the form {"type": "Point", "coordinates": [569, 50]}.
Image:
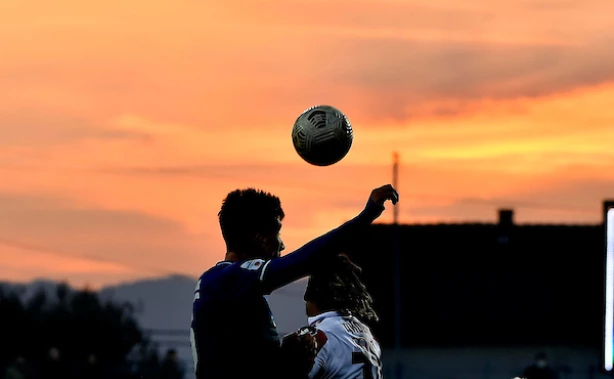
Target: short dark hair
{"type": "Point", "coordinates": [247, 212]}
{"type": "Point", "coordinates": [336, 286]}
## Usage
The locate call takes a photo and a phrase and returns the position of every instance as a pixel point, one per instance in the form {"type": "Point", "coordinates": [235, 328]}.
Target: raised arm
{"type": "Point", "coordinates": [281, 271]}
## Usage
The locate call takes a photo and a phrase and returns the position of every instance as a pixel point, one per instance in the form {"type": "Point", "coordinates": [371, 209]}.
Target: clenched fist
{"type": "Point", "coordinates": [299, 351]}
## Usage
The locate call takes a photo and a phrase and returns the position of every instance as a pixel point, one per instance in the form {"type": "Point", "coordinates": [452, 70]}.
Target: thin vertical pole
{"type": "Point", "coordinates": [397, 260]}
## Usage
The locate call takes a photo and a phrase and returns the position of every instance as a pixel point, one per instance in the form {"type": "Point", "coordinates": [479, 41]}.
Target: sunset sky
{"type": "Point", "coordinates": [125, 123]}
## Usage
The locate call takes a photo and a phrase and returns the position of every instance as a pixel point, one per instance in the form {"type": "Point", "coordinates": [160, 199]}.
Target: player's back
{"type": "Point", "coordinates": [347, 349]}
{"type": "Point", "coordinates": [233, 332]}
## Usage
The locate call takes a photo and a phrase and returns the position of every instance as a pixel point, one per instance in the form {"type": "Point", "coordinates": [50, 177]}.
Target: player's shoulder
{"type": "Point", "coordinates": [214, 271]}
{"type": "Point", "coordinates": [227, 270]}
{"type": "Point", "coordinates": [243, 267]}
{"type": "Point", "coordinates": [255, 264]}
{"type": "Point", "coordinates": [332, 327]}
{"type": "Point", "coordinates": [331, 323]}
{"type": "Point", "coordinates": [344, 328]}
{"type": "Point", "coordinates": [213, 275]}
{"type": "Point", "coordinates": [228, 266]}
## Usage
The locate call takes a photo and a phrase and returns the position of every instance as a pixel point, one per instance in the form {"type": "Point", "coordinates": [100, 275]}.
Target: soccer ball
{"type": "Point", "coordinates": [322, 135]}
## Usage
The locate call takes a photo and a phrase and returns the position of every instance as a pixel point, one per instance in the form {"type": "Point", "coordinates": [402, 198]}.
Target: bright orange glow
{"type": "Point", "coordinates": [124, 124]}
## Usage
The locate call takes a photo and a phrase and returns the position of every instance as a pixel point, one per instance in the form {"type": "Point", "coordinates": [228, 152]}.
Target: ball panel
{"type": "Point", "coordinates": [317, 118]}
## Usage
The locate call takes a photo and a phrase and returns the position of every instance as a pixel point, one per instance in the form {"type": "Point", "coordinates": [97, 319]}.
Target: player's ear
{"type": "Point", "coordinates": [259, 241]}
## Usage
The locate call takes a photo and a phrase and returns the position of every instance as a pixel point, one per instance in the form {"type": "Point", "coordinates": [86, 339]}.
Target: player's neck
{"type": "Point", "coordinates": [313, 310]}
{"type": "Point", "coordinates": [232, 257]}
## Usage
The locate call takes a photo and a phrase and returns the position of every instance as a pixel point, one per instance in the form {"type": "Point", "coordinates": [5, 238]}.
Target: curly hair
{"type": "Point", "coordinates": [336, 286]}
{"type": "Point", "coordinates": [247, 212]}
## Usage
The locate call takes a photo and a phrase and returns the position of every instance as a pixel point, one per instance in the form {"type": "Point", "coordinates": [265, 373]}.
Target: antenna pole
{"type": "Point", "coordinates": [395, 184]}
{"type": "Point", "coordinates": [397, 260]}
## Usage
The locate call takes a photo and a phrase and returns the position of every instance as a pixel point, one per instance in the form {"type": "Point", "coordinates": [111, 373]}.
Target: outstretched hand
{"type": "Point", "coordinates": [382, 194]}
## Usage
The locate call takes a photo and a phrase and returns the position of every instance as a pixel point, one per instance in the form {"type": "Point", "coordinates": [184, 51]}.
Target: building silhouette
{"type": "Point", "coordinates": [488, 284]}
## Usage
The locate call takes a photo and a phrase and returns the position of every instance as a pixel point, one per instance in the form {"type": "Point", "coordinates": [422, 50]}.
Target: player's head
{"type": "Point", "coordinates": [336, 286]}
{"type": "Point", "coordinates": [250, 220]}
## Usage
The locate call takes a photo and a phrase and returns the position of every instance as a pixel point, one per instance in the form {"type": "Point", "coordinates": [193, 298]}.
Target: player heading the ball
{"type": "Point", "coordinates": [233, 333]}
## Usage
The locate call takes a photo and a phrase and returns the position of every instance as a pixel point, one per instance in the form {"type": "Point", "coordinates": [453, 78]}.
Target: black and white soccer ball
{"type": "Point", "coordinates": [322, 135]}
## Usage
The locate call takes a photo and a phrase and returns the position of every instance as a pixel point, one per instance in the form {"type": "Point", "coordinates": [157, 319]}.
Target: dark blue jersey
{"type": "Point", "coordinates": [232, 324]}
{"type": "Point", "coordinates": [233, 332]}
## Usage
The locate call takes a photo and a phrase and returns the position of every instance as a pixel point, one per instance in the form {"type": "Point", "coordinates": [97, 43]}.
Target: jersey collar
{"type": "Point", "coordinates": [316, 319]}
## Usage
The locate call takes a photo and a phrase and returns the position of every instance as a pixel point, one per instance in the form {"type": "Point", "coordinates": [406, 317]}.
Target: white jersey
{"type": "Point", "coordinates": [346, 348]}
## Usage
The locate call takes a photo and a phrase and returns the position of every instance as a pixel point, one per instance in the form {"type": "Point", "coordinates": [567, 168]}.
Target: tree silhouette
{"type": "Point", "coordinates": [78, 323]}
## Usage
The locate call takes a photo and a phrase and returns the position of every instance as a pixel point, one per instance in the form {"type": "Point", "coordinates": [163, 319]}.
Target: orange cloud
{"type": "Point", "coordinates": [125, 124]}
{"type": "Point", "coordinates": [24, 264]}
